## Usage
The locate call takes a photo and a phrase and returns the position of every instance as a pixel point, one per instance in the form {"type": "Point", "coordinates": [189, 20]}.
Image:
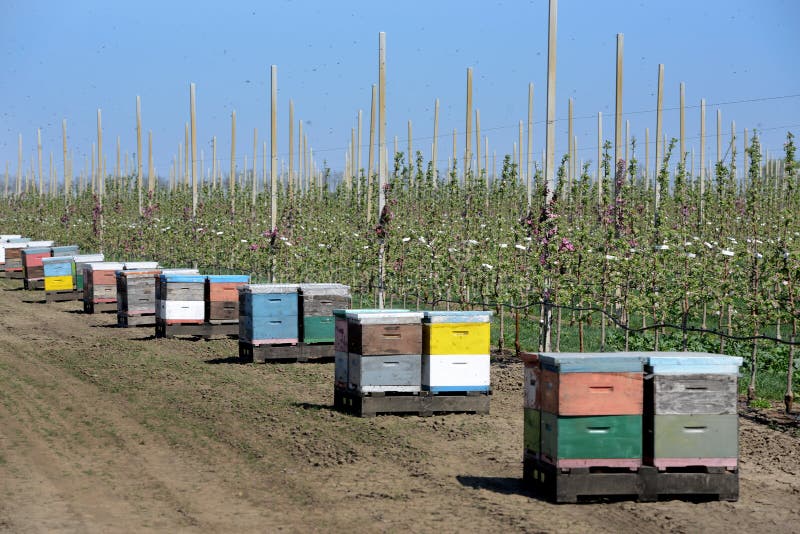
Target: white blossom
{"type": "Point", "coordinates": [691, 255]}
{"type": "Point", "coordinates": [726, 252]}
{"type": "Point", "coordinates": [472, 242]}
{"type": "Point", "coordinates": [406, 239]}
{"type": "Point", "coordinates": [520, 247]}
{"type": "Point", "coordinates": [610, 257]}
{"type": "Point", "coordinates": [487, 266]}
{"type": "Point", "coordinates": [503, 245]}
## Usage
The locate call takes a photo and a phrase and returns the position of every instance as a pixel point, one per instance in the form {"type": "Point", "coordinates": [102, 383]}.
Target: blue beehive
{"type": "Point", "coordinates": [57, 266]}
{"type": "Point", "coordinates": [269, 314]}
{"type": "Point", "coordinates": [67, 250]}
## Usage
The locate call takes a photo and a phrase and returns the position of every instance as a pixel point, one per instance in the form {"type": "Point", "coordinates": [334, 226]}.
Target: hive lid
{"type": "Point", "coordinates": [9, 237]}
{"type": "Point", "coordinates": [180, 270]}
{"type": "Point", "coordinates": [16, 244]}
{"type": "Point", "coordinates": [36, 250]}
{"type": "Point", "coordinates": [457, 317]}
{"type": "Point", "coordinates": [57, 259]}
{"type": "Point", "coordinates": [592, 362]}
{"type": "Point", "coordinates": [691, 363]}
{"type": "Point", "coordinates": [332, 290]}
{"type": "Point", "coordinates": [269, 288]}
{"type": "Point", "coordinates": [228, 278]}
{"type": "Point", "coordinates": [103, 266]}
{"type": "Point", "coordinates": [183, 278]}
{"type": "Point", "coordinates": [66, 248]}
{"type": "Point", "coordinates": [127, 273]}
{"type": "Point", "coordinates": [141, 265]}
{"type": "Point", "coordinates": [40, 244]}
{"type": "Point", "coordinates": [342, 313]}
{"type": "Point", "coordinates": [383, 317]}
{"type": "Point", "coordinates": [87, 258]}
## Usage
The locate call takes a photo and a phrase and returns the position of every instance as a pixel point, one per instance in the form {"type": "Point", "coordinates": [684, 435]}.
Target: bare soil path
{"type": "Point", "coordinates": [110, 430]}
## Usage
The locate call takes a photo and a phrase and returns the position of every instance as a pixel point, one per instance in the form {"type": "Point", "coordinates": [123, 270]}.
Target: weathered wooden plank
{"type": "Point", "coordinates": [604, 437]}
{"type": "Point", "coordinates": [384, 339]}
{"type": "Point", "coordinates": [695, 394]}
{"type": "Point", "coordinates": [586, 394]}
{"type": "Point", "coordinates": [385, 372]}
{"type": "Point", "coordinates": [203, 330]}
{"type": "Point", "coordinates": [693, 436]}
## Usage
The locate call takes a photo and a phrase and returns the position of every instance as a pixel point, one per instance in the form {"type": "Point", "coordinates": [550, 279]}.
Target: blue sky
{"type": "Point", "coordinates": [64, 60]}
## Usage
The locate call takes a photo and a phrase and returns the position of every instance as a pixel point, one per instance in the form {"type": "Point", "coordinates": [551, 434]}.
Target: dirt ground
{"type": "Point", "coordinates": [110, 430]}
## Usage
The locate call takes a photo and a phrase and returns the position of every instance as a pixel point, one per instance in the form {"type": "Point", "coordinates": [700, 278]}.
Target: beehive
{"type": "Point", "coordinates": [58, 273]}
{"type": "Point", "coordinates": [455, 351]}
{"type": "Point", "coordinates": [340, 345]}
{"type": "Point", "coordinates": [268, 314]}
{"type": "Point", "coordinates": [180, 298]}
{"type": "Point", "coordinates": [136, 292]}
{"type": "Point", "coordinates": [79, 262]}
{"type": "Point", "coordinates": [384, 351]}
{"type": "Point", "coordinates": [584, 409]}
{"type": "Point", "coordinates": [32, 262]}
{"type": "Point", "coordinates": [66, 250]}
{"type": "Point", "coordinates": [13, 254]}
{"type": "Point", "coordinates": [6, 239]}
{"type": "Point", "coordinates": [100, 282]}
{"type": "Point", "coordinates": [691, 410]}
{"type": "Point", "coordinates": [138, 265]}
{"type": "Point", "coordinates": [317, 302]}
{"type": "Point", "coordinates": [222, 297]}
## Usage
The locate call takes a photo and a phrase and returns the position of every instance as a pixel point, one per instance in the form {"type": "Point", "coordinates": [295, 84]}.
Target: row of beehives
{"type": "Point", "coordinates": [399, 351]}
{"type": "Point", "coordinates": [631, 409]}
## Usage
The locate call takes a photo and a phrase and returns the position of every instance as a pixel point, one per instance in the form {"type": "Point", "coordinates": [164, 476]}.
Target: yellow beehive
{"type": "Point", "coordinates": [455, 338]}
{"type": "Point", "coordinates": [58, 283]}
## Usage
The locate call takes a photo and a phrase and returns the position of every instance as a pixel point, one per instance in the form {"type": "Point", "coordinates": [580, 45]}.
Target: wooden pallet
{"type": "Point", "coordinates": [62, 296]}
{"type": "Point", "coordinates": [423, 403]}
{"type": "Point", "coordinates": [203, 330]}
{"type": "Point", "coordinates": [126, 321]}
{"type": "Point", "coordinates": [33, 285]}
{"type": "Point", "coordinates": [300, 353]}
{"type": "Point", "coordinates": [16, 275]}
{"type": "Point", "coordinates": [99, 307]}
{"type": "Point", "coordinates": [646, 484]}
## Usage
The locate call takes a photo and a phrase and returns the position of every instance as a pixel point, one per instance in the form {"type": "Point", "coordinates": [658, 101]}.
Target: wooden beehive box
{"type": "Point", "coordinates": [384, 333]}
{"type": "Point", "coordinates": [222, 296]}
{"type": "Point", "coordinates": [691, 416]}
{"type": "Point", "coordinates": [65, 250]}
{"type": "Point", "coordinates": [32, 262]}
{"type": "Point", "coordinates": [385, 373]}
{"type": "Point", "coordinates": [79, 262]}
{"type": "Point", "coordinates": [269, 314]}
{"type": "Point", "coordinates": [455, 351]}
{"type": "Point", "coordinates": [317, 302]}
{"type": "Point", "coordinates": [136, 291]}
{"type": "Point", "coordinates": [100, 282]}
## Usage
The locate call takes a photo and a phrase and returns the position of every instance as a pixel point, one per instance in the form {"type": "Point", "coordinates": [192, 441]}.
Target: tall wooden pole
{"type": "Point", "coordinates": [744, 156]}
{"type": "Point", "coordinates": [478, 142]}
{"type": "Point", "coordinates": [254, 178]}
{"type": "Point", "coordinates": [139, 151]}
{"type": "Point", "coordinates": [529, 163]}
{"type": "Point", "coordinates": [67, 180]}
{"type": "Point", "coordinates": [300, 173]}
{"type": "Point", "coordinates": [193, 119]}
{"type": "Point", "coordinates": [719, 135]}
{"type": "Point", "coordinates": [19, 167]}
{"type": "Point", "coordinates": [647, 157]}
{"type": "Point", "coordinates": [550, 144]}
{"type": "Point", "coordinates": [291, 149]}
{"type": "Point", "coordinates": [702, 157]}
{"type": "Point", "coordinates": [358, 154]}
{"type": "Point", "coordinates": [273, 144]}
{"type": "Point", "coordinates": [410, 155]}
{"type": "Point", "coordinates": [39, 153]}
{"type": "Point", "coordinates": [214, 162]}
{"type": "Point", "coordinates": [435, 148]}
{"type": "Point", "coordinates": [682, 125]}
{"type": "Point", "coordinates": [570, 149]}
{"type": "Point", "coordinates": [468, 134]}
{"type": "Point", "coordinates": [599, 158]}
{"type": "Point", "coordinates": [232, 179]}
{"type": "Point", "coordinates": [101, 183]}
{"type": "Point", "coordinates": [618, 105]}
{"type": "Point", "coordinates": [659, 134]}
{"type": "Point", "coordinates": [151, 172]}
{"type": "Point", "coordinates": [371, 152]}
{"type": "Point", "coordinates": [381, 161]}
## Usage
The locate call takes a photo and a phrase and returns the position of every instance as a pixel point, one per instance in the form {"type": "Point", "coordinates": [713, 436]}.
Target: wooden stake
{"type": "Point", "coordinates": [39, 153]}
{"type": "Point", "coordinates": [599, 158]}
{"type": "Point", "coordinates": [187, 157]}
{"type": "Point", "coordinates": [67, 177]}
{"type": "Point", "coordinates": [139, 151]}
{"type": "Point", "coordinates": [381, 161]}
{"type": "Point", "coordinates": [232, 178]}
{"type": "Point", "coordinates": [477, 142]}
{"type": "Point", "coordinates": [683, 124]}
{"type": "Point", "coordinates": [193, 119]}
{"type": "Point", "coordinates": [273, 142]}
{"type": "Point", "coordinates": [214, 162]}
{"type": "Point", "coordinates": [358, 155]}
{"type": "Point", "coordinates": [291, 149]}
{"type": "Point", "coordinates": [550, 141]}
{"type": "Point", "coordinates": [659, 133]}
{"type": "Point", "coordinates": [618, 106]}
{"type": "Point", "coordinates": [468, 136]}
{"type": "Point", "coordinates": [529, 163]}
{"type": "Point", "coordinates": [435, 148]}
{"type": "Point", "coordinates": [151, 173]}
{"type": "Point", "coordinates": [702, 156]}
{"type": "Point", "coordinates": [371, 152]}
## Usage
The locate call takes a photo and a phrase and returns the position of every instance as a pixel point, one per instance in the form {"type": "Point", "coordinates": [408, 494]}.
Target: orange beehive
{"type": "Point", "coordinates": [588, 394]}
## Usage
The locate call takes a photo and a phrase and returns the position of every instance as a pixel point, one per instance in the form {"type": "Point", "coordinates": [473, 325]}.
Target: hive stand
{"type": "Point", "coordinates": [423, 403]}
{"type": "Point", "coordinates": [301, 352]}
{"type": "Point", "coordinates": [203, 330]}
{"type": "Point", "coordinates": [63, 296]}
{"type": "Point", "coordinates": [99, 307]}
